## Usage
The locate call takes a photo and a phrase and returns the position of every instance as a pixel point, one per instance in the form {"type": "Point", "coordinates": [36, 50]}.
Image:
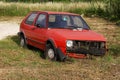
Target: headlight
{"type": "Point", "coordinates": [69, 43]}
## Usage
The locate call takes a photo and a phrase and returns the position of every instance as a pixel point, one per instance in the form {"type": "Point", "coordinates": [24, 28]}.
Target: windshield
{"type": "Point", "coordinates": [66, 21]}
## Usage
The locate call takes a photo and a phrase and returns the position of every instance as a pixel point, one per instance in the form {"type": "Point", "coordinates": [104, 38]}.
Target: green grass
{"type": "Point", "coordinates": [17, 63]}
{"type": "Point", "coordinates": [12, 53]}
{"type": "Point", "coordinates": [26, 64]}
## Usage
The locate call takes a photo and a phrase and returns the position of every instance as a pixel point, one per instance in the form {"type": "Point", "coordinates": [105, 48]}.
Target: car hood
{"type": "Point", "coordinates": [78, 34]}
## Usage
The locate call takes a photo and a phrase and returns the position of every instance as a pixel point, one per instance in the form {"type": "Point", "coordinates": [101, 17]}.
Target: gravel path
{"type": "Point", "coordinates": [8, 28]}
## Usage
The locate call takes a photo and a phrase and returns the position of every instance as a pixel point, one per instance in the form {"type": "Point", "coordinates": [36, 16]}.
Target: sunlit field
{"type": "Point", "coordinates": [21, 9]}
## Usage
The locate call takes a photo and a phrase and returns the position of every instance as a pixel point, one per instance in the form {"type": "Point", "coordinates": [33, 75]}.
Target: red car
{"type": "Point", "coordinates": [60, 35]}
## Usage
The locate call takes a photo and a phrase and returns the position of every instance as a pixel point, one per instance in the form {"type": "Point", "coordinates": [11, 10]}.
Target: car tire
{"type": "Point", "coordinates": [23, 42]}
{"type": "Point", "coordinates": [50, 53]}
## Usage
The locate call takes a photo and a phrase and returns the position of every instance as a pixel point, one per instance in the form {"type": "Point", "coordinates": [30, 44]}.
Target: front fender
{"type": "Point", "coordinates": [52, 42]}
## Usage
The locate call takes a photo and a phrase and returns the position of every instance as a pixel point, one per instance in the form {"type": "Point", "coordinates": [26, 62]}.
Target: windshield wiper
{"type": "Point", "coordinates": [74, 26]}
{"type": "Point", "coordinates": [62, 27]}
{"type": "Point", "coordinates": [86, 28]}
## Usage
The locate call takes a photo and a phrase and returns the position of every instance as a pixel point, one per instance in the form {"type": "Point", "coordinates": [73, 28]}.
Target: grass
{"type": "Point", "coordinates": [85, 8]}
{"type": "Point", "coordinates": [17, 63]}
{"type": "Point", "coordinates": [99, 8]}
{"type": "Point", "coordinates": [21, 9]}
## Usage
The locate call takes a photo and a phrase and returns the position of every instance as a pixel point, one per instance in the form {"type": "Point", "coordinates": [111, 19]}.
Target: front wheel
{"type": "Point", "coordinates": [50, 53]}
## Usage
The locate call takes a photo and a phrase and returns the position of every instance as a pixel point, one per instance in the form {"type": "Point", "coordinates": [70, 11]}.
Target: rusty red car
{"type": "Point", "coordinates": [60, 35]}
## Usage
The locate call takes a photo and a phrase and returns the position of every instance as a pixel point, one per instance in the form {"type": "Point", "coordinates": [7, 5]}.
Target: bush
{"type": "Point", "coordinates": [113, 9]}
{"type": "Point", "coordinates": [77, 11]}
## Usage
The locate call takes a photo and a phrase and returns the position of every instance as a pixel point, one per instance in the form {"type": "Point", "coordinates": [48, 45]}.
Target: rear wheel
{"type": "Point", "coordinates": [50, 53]}
{"type": "Point", "coordinates": [23, 42]}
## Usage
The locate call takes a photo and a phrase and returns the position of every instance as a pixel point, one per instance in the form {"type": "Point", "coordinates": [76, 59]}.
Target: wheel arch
{"type": "Point", "coordinates": [20, 34]}
{"type": "Point", "coordinates": [52, 42]}
{"type": "Point", "coordinates": [60, 55]}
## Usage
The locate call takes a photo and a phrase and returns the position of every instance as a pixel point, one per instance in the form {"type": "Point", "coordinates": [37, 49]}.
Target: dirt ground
{"type": "Point", "coordinates": [9, 26]}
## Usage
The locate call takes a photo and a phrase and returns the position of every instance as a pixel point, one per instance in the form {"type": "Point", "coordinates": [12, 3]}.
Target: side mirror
{"type": "Point", "coordinates": [38, 25]}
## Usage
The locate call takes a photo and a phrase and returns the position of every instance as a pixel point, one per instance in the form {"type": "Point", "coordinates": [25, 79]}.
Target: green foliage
{"type": "Point", "coordinates": [109, 10]}
{"type": "Point", "coordinates": [118, 22]}
{"type": "Point", "coordinates": [114, 50]}
{"type": "Point", "coordinates": [89, 11]}
{"type": "Point", "coordinates": [108, 58]}
{"type": "Point", "coordinates": [77, 11]}
{"type": "Point", "coordinates": [34, 1]}
{"type": "Point", "coordinates": [113, 9]}
{"type": "Point", "coordinates": [13, 11]}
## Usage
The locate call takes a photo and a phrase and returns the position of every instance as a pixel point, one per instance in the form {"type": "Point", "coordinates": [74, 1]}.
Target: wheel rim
{"type": "Point", "coordinates": [22, 42]}
{"type": "Point", "coordinates": [51, 53]}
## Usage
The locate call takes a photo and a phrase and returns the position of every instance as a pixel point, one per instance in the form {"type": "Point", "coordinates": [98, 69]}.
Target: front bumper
{"type": "Point", "coordinates": [87, 47]}
{"type": "Point", "coordinates": [74, 55]}
{"type": "Point", "coordinates": [92, 51]}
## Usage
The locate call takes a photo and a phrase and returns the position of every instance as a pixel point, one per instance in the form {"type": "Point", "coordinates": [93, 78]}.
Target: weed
{"type": "Point", "coordinates": [114, 50]}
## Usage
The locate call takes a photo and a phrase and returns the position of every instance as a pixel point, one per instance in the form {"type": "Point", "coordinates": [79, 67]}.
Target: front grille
{"type": "Point", "coordinates": [87, 47]}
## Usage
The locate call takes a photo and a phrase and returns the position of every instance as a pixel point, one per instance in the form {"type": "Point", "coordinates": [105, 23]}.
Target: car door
{"type": "Point", "coordinates": [39, 31]}
{"type": "Point", "coordinates": [28, 25]}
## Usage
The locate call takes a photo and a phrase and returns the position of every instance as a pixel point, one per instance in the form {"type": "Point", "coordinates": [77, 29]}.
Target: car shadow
{"type": "Point", "coordinates": [16, 39]}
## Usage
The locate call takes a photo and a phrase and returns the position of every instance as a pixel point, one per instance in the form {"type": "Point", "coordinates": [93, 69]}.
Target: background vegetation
{"type": "Point", "coordinates": [108, 9]}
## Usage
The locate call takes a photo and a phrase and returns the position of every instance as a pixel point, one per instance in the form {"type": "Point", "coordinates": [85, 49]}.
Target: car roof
{"type": "Point", "coordinates": [53, 12]}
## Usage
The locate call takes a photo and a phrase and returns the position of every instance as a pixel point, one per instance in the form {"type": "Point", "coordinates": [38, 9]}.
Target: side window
{"type": "Point", "coordinates": [41, 21]}
{"type": "Point", "coordinates": [31, 18]}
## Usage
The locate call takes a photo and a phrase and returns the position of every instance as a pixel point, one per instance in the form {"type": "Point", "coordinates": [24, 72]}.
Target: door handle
{"type": "Point", "coordinates": [34, 28]}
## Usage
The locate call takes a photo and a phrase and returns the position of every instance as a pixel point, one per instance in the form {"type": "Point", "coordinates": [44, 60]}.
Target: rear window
{"type": "Point", "coordinates": [31, 18]}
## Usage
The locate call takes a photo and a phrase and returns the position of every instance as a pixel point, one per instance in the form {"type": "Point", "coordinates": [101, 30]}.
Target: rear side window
{"type": "Point", "coordinates": [31, 18]}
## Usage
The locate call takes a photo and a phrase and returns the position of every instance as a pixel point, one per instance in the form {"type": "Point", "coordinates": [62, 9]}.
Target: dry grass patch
{"type": "Point", "coordinates": [17, 63]}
